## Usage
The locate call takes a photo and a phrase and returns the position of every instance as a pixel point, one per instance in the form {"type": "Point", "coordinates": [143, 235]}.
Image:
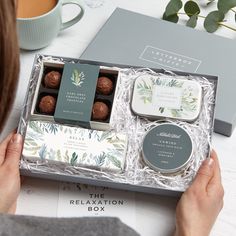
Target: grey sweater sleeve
{"type": "Point", "coordinates": [11, 225]}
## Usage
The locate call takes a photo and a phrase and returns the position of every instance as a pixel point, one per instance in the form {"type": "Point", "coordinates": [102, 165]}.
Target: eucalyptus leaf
{"type": "Point", "coordinates": [191, 8]}
{"type": "Point", "coordinates": [211, 23]}
{"type": "Point", "coordinates": [173, 18]}
{"type": "Point", "coordinates": [225, 5]}
{"type": "Point", "coordinates": [173, 7]}
{"type": "Point", "coordinates": [192, 22]}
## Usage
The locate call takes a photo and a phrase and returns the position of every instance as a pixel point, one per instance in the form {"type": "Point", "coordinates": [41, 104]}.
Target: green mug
{"type": "Point", "coordinates": [38, 32]}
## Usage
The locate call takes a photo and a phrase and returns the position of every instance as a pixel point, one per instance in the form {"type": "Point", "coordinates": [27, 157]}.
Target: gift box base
{"type": "Point", "coordinates": [100, 183]}
{"type": "Point", "coordinates": [105, 182]}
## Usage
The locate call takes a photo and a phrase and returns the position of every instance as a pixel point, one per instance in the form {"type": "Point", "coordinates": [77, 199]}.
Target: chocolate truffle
{"type": "Point", "coordinates": [100, 111]}
{"type": "Point", "coordinates": [47, 104]}
{"type": "Point", "coordinates": [104, 85]}
{"type": "Point", "coordinates": [52, 79]}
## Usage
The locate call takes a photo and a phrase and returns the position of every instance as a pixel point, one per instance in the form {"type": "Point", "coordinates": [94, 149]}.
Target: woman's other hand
{"type": "Point", "coordinates": [10, 153]}
{"type": "Point", "coordinates": [200, 205]}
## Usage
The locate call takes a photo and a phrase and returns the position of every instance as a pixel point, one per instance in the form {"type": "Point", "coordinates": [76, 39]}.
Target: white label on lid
{"type": "Point", "coordinates": [167, 97]}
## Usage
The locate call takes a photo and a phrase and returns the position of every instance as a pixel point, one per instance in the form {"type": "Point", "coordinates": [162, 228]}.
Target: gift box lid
{"type": "Point", "coordinates": [129, 38]}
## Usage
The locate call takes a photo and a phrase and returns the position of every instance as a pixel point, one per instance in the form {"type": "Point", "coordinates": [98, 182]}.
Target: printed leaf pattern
{"type": "Point", "coordinates": [50, 128]}
{"type": "Point", "coordinates": [161, 109]}
{"type": "Point", "coordinates": [66, 157]}
{"type": "Point", "coordinates": [59, 157]}
{"type": "Point", "coordinates": [145, 91]}
{"type": "Point", "coordinates": [40, 128]}
{"type": "Point", "coordinates": [43, 151]}
{"type": "Point", "coordinates": [115, 161]}
{"type": "Point", "coordinates": [188, 100]}
{"type": "Point", "coordinates": [73, 159]}
{"type": "Point", "coordinates": [100, 159]}
{"type": "Point", "coordinates": [77, 78]}
{"type": "Point", "coordinates": [176, 113]}
{"type": "Point", "coordinates": [36, 127]}
{"type": "Point", "coordinates": [40, 138]}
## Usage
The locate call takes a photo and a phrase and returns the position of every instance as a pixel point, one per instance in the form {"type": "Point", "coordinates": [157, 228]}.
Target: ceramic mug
{"type": "Point", "coordinates": [38, 32]}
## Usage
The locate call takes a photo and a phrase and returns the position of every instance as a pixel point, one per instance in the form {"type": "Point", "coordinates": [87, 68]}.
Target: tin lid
{"type": "Point", "coordinates": [166, 96]}
{"type": "Point", "coordinates": [167, 148]}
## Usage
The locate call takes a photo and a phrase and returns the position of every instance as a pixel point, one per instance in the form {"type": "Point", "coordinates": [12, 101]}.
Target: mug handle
{"type": "Point", "coordinates": [77, 18]}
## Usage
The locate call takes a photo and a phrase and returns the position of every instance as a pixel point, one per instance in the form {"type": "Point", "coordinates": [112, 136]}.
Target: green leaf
{"type": "Point", "coordinates": [176, 113]}
{"type": "Point", "coordinates": [100, 160]}
{"type": "Point", "coordinates": [74, 158]}
{"type": "Point", "coordinates": [115, 161]}
{"type": "Point", "coordinates": [75, 77]}
{"type": "Point", "coordinates": [51, 128]}
{"type": "Point", "coordinates": [192, 22]}
{"type": "Point", "coordinates": [225, 5]}
{"type": "Point", "coordinates": [59, 155]}
{"type": "Point", "coordinates": [66, 156]}
{"type": "Point", "coordinates": [161, 109]}
{"type": "Point", "coordinates": [173, 7]}
{"type": "Point", "coordinates": [43, 151]}
{"type": "Point", "coordinates": [235, 17]}
{"type": "Point", "coordinates": [191, 8]}
{"type": "Point", "coordinates": [211, 23]}
{"type": "Point", "coordinates": [173, 18]}
{"type": "Point", "coordinates": [34, 126]}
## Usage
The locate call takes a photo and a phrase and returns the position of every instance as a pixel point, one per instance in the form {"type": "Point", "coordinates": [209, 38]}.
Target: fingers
{"type": "Point", "coordinates": [13, 152]}
{"type": "Point", "coordinates": [3, 147]}
{"type": "Point", "coordinates": [204, 174]}
{"type": "Point", "coordinates": [217, 164]}
{"type": "Point", "coordinates": [215, 185]}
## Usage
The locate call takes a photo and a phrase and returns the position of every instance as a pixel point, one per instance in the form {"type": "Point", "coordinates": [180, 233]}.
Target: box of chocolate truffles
{"type": "Point", "coordinates": [75, 94]}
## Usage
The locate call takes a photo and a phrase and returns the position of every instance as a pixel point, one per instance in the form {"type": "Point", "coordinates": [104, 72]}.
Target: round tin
{"type": "Point", "coordinates": [167, 148]}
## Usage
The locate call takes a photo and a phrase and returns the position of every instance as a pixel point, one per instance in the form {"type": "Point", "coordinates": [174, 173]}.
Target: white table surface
{"type": "Point", "coordinates": [154, 214]}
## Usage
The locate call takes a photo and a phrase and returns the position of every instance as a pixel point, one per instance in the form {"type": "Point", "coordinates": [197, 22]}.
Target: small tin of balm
{"type": "Point", "coordinates": [167, 148]}
{"type": "Point", "coordinates": [156, 97]}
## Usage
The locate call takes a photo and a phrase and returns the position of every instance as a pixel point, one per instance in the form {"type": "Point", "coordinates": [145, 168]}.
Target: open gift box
{"type": "Point", "coordinates": [153, 132]}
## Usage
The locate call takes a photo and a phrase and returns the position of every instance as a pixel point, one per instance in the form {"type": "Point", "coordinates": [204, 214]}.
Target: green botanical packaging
{"type": "Point", "coordinates": [159, 97]}
{"type": "Point", "coordinates": [76, 94]}
{"type": "Point", "coordinates": [74, 146]}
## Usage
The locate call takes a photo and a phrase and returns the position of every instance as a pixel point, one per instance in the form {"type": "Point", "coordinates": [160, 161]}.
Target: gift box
{"type": "Point", "coordinates": [155, 150]}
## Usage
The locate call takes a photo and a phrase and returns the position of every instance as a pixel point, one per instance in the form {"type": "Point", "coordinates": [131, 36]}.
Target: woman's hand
{"type": "Point", "coordinates": [200, 205]}
{"type": "Point", "coordinates": [10, 152]}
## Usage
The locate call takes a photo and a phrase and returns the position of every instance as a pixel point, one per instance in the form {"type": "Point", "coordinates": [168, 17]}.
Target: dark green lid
{"type": "Point", "coordinates": [167, 148]}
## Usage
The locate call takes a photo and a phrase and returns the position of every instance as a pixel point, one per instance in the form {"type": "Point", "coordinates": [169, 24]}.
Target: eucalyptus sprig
{"type": "Point", "coordinates": [191, 9]}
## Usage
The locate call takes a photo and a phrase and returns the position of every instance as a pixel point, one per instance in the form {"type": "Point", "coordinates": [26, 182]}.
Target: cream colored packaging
{"type": "Point", "coordinates": [74, 146]}
{"type": "Point", "coordinates": [166, 97]}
